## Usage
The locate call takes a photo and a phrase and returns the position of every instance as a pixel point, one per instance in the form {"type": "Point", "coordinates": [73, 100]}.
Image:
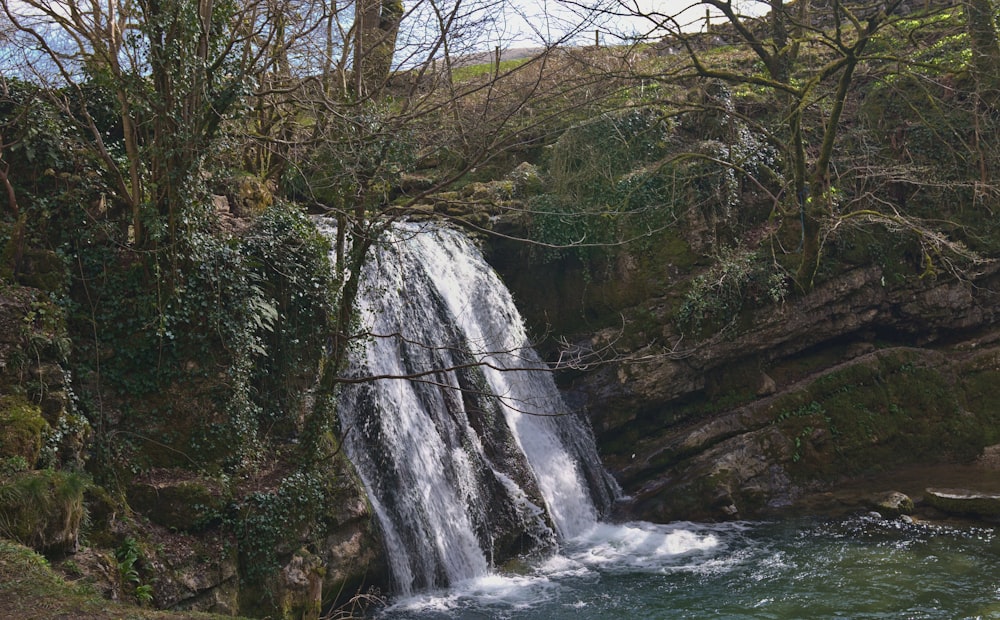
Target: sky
{"type": "Point", "coordinates": [527, 23]}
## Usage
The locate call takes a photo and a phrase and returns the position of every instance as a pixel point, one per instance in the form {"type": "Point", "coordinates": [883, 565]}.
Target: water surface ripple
{"type": "Point", "coordinates": [861, 567]}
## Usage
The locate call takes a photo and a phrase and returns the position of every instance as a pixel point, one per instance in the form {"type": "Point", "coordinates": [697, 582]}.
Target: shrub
{"type": "Point", "coordinates": [717, 297]}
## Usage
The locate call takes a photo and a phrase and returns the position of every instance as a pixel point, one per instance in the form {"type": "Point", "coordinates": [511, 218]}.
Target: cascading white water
{"type": "Point", "coordinates": [485, 314]}
{"type": "Point", "coordinates": [470, 452]}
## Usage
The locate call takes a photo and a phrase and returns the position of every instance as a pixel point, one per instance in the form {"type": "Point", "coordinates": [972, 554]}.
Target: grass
{"type": "Point", "coordinates": [461, 74]}
{"type": "Point", "coordinates": [30, 589]}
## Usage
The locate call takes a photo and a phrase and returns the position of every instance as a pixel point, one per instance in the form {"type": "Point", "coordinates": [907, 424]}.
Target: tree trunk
{"type": "Point", "coordinates": [375, 32]}
{"type": "Point", "coordinates": [810, 216]}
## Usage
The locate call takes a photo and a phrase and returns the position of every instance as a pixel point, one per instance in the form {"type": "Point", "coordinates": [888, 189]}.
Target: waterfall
{"type": "Point", "coordinates": [467, 451]}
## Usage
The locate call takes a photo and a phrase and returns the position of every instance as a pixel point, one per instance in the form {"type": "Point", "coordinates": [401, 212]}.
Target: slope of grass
{"type": "Point", "coordinates": [30, 589]}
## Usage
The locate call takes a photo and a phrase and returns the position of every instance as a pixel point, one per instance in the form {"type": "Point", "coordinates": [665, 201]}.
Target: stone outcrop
{"type": "Point", "coordinates": [964, 502]}
{"type": "Point", "coordinates": [857, 376]}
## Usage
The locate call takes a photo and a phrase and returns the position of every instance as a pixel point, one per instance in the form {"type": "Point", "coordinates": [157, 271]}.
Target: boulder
{"type": "Point", "coordinates": [893, 504]}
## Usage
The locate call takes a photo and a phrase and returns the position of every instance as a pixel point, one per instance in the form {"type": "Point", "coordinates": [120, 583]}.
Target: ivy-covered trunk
{"type": "Point", "coordinates": [375, 31]}
{"type": "Point", "coordinates": [197, 73]}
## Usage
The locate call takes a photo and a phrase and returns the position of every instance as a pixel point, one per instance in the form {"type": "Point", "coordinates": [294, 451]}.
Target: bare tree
{"type": "Point", "coordinates": [839, 34]}
{"type": "Point", "coordinates": [177, 70]}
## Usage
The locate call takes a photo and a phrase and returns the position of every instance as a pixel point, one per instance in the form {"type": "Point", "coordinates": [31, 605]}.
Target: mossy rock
{"type": "Point", "coordinates": [248, 195]}
{"type": "Point", "coordinates": [43, 509]}
{"type": "Point", "coordinates": [964, 502]}
{"type": "Point", "coordinates": [44, 270]}
{"type": "Point", "coordinates": [22, 428]}
{"type": "Point", "coordinates": [477, 191]}
{"type": "Point", "coordinates": [176, 499]}
{"type": "Point", "coordinates": [893, 504]}
{"type": "Point", "coordinates": [893, 408]}
{"type": "Point", "coordinates": [526, 181]}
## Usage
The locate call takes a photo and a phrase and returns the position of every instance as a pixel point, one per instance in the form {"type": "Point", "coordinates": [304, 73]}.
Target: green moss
{"type": "Point", "coordinates": [981, 401]}
{"type": "Point", "coordinates": [42, 509]}
{"type": "Point", "coordinates": [892, 410]}
{"type": "Point", "coordinates": [22, 429]}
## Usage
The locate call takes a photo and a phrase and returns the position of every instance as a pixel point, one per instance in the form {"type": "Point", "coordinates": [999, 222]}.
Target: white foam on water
{"type": "Point", "coordinates": [604, 549]}
{"type": "Point", "coordinates": [639, 545]}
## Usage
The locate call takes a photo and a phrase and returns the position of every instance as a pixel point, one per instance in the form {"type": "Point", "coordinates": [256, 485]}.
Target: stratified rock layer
{"type": "Point", "coordinates": [853, 378]}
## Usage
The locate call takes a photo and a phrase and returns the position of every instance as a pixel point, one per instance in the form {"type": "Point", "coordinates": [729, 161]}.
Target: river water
{"type": "Point", "coordinates": [860, 567]}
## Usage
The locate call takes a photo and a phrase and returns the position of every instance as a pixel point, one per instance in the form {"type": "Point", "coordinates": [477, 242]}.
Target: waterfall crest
{"type": "Point", "coordinates": [470, 457]}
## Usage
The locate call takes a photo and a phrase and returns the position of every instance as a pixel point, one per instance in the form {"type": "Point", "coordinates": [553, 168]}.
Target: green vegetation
{"type": "Point", "coordinates": [716, 297]}
{"type": "Point", "coordinates": [32, 590]}
{"type": "Point", "coordinates": [467, 73]}
{"type": "Point", "coordinates": [23, 429]}
{"type": "Point", "coordinates": [42, 509]}
{"type": "Point", "coordinates": [873, 416]}
{"type": "Point", "coordinates": [596, 197]}
{"type": "Point", "coordinates": [128, 556]}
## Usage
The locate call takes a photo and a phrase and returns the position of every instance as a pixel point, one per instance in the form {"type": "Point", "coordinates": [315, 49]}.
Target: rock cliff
{"type": "Point", "coordinates": [857, 377]}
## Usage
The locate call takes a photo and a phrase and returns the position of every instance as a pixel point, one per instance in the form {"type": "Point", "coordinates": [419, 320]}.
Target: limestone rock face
{"type": "Point", "coordinates": [300, 587]}
{"type": "Point", "coordinates": [197, 573]}
{"type": "Point", "coordinates": [853, 378]}
{"type": "Point", "coordinates": [352, 553]}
